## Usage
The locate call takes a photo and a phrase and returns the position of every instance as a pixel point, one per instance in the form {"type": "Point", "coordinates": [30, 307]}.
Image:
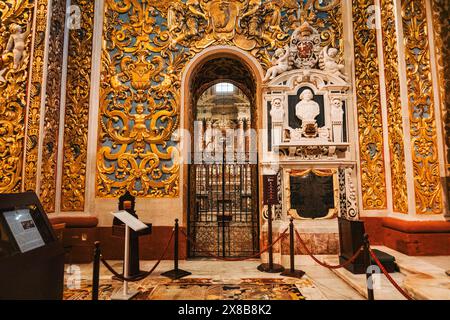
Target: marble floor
{"type": "Point", "coordinates": [421, 277]}
{"type": "Point", "coordinates": [318, 283]}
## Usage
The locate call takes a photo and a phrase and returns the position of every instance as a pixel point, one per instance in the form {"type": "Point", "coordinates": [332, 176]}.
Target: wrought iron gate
{"type": "Point", "coordinates": [223, 215]}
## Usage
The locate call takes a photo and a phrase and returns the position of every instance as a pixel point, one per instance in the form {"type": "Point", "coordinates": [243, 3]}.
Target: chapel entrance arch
{"type": "Point", "coordinates": [221, 101]}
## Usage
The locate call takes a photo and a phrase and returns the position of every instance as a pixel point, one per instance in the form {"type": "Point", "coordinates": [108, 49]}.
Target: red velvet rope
{"type": "Point", "coordinates": [143, 275]}
{"type": "Point", "coordinates": [194, 244]}
{"type": "Point", "coordinates": [323, 264]}
{"type": "Point", "coordinates": [375, 258]}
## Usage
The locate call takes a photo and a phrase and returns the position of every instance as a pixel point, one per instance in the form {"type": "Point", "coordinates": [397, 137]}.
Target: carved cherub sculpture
{"type": "Point", "coordinates": [280, 62]}
{"type": "Point", "coordinates": [17, 43]}
{"type": "Point", "coordinates": [328, 63]}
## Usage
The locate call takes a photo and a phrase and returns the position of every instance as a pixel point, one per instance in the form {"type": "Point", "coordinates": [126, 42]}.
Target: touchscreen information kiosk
{"type": "Point", "coordinates": [24, 229]}
{"type": "Point", "coordinates": [31, 257]}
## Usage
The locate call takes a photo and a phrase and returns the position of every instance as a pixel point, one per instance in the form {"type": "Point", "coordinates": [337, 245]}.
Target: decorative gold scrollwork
{"type": "Point", "coordinates": [368, 103]}
{"type": "Point", "coordinates": [50, 135]}
{"type": "Point", "coordinates": [428, 188]}
{"type": "Point", "coordinates": [146, 48]}
{"type": "Point", "coordinates": [441, 25]}
{"type": "Point", "coordinates": [34, 107]}
{"type": "Point", "coordinates": [77, 110]}
{"type": "Point", "coordinates": [15, 18]}
{"type": "Point", "coordinates": [394, 106]}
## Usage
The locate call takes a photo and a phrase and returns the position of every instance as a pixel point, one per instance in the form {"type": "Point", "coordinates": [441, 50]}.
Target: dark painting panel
{"type": "Point", "coordinates": [312, 195]}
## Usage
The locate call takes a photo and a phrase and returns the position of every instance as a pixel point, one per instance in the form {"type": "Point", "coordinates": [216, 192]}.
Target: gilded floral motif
{"type": "Point", "coordinates": [427, 181]}
{"type": "Point", "coordinates": [367, 87]}
{"type": "Point", "coordinates": [15, 42]}
{"type": "Point", "coordinates": [146, 49]}
{"type": "Point", "coordinates": [394, 106]}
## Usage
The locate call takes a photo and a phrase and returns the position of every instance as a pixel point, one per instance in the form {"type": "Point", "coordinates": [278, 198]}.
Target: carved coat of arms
{"type": "Point", "coordinates": [305, 47]}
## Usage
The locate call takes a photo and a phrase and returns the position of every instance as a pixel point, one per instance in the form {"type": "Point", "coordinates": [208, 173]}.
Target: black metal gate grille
{"type": "Point", "coordinates": [223, 217]}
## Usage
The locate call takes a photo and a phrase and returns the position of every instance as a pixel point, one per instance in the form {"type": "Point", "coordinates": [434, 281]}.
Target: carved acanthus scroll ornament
{"type": "Point", "coordinates": [394, 108]}
{"type": "Point", "coordinates": [35, 93]}
{"type": "Point", "coordinates": [50, 134]}
{"type": "Point", "coordinates": [427, 180]}
{"type": "Point", "coordinates": [77, 110]}
{"type": "Point", "coordinates": [15, 22]}
{"type": "Point", "coordinates": [147, 46]}
{"type": "Point", "coordinates": [367, 86]}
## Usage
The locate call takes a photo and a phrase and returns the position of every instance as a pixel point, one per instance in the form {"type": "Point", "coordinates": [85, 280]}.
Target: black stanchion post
{"type": "Point", "coordinates": [270, 267]}
{"type": "Point", "coordinates": [367, 263]}
{"type": "Point", "coordinates": [96, 271]}
{"type": "Point", "coordinates": [292, 272]}
{"type": "Point", "coordinates": [176, 273]}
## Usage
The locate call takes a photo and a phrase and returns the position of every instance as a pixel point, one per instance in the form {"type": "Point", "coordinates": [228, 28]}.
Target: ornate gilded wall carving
{"type": "Point", "coordinates": [15, 40]}
{"type": "Point", "coordinates": [147, 46]}
{"type": "Point", "coordinates": [441, 25]}
{"type": "Point", "coordinates": [77, 110]}
{"type": "Point", "coordinates": [394, 108]}
{"type": "Point", "coordinates": [35, 92]}
{"type": "Point", "coordinates": [367, 88]}
{"type": "Point", "coordinates": [428, 188]}
{"type": "Point", "coordinates": [52, 106]}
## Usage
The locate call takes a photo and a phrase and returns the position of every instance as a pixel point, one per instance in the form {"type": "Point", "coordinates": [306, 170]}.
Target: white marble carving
{"type": "Point", "coordinates": [314, 89]}
{"type": "Point", "coordinates": [337, 117]}
{"type": "Point", "coordinates": [328, 62]}
{"type": "Point", "coordinates": [17, 43]}
{"type": "Point", "coordinates": [280, 63]}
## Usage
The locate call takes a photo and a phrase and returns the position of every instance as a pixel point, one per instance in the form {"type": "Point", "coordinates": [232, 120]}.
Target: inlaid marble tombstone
{"type": "Point", "coordinates": [307, 113]}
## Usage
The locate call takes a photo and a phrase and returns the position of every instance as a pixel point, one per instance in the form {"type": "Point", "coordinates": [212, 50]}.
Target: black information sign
{"type": "Point", "coordinates": [270, 189]}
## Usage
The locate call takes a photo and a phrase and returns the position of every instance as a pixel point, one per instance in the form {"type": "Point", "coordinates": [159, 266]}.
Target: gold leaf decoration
{"type": "Point", "coordinates": [34, 107]}
{"type": "Point", "coordinates": [367, 87]}
{"type": "Point", "coordinates": [146, 48]}
{"type": "Point", "coordinates": [77, 110]}
{"type": "Point", "coordinates": [428, 188]}
{"type": "Point", "coordinates": [15, 17]}
{"type": "Point", "coordinates": [394, 108]}
{"type": "Point", "coordinates": [52, 106]}
{"type": "Point", "coordinates": [441, 25]}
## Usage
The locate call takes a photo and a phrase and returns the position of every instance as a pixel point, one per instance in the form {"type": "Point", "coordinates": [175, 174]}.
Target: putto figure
{"type": "Point", "coordinates": [280, 62]}
{"type": "Point", "coordinates": [327, 62]}
{"type": "Point", "coordinates": [17, 43]}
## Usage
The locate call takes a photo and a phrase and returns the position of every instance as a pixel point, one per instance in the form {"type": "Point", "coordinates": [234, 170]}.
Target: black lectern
{"type": "Point", "coordinates": [127, 202]}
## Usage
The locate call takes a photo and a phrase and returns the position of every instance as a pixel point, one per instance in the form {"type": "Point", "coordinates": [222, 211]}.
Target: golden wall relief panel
{"type": "Point", "coordinates": [394, 108]}
{"type": "Point", "coordinates": [427, 184]}
{"type": "Point", "coordinates": [367, 88]}
{"type": "Point", "coordinates": [35, 92]}
{"type": "Point", "coordinates": [52, 106]}
{"type": "Point", "coordinates": [146, 48]}
{"type": "Point", "coordinates": [441, 25]}
{"type": "Point", "coordinates": [16, 18]}
{"type": "Point", "coordinates": [77, 110]}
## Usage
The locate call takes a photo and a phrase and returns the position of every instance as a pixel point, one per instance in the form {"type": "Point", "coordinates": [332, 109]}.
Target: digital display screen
{"type": "Point", "coordinates": [24, 229]}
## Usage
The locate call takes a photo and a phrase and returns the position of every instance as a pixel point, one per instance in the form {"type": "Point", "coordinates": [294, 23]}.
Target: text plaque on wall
{"type": "Point", "coordinates": [270, 189]}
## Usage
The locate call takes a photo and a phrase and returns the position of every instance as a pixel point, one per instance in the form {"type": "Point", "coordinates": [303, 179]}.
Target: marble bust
{"type": "Point", "coordinates": [307, 109]}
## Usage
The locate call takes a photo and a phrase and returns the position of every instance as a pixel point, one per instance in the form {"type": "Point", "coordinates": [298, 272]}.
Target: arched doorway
{"type": "Point", "coordinates": [223, 213]}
